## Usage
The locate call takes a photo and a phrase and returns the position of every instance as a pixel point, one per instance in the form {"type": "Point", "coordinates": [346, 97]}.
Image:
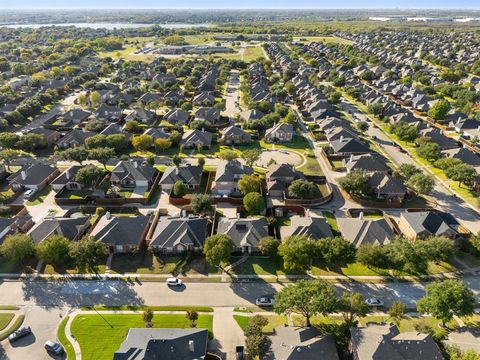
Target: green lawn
{"type": "Point", "coordinates": [408, 323]}
{"type": "Point", "coordinates": [5, 319]}
{"type": "Point", "coordinates": [325, 39]}
{"type": "Point", "coordinates": [332, 222]}
{"type": "Point", "coordinates": [153, 308]}
{"type": "Point", "coordinates": [64, 341]}
{"type": "Point", "coordinates": [144, 264]}
{"type": "Point", "coordinates": [260, 265]}
{"type": "Point", "coordinates": [273, 322]}
{"type": "Point", "coordinates": [99, 336]}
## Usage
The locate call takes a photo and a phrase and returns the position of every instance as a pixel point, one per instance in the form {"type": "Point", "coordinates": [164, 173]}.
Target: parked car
{"type": "Point", "coordinates": [399, 148]}
{"type": "Point", "coordinates": [374, 302]}
{"type": "Point", "coordinates": [174, 282]}
{"type": "Point", "coordinates": [28, 194]}
{"type": "Point", "coordinates": [19, 333]}
{"type": "Point", "coordinates": [54, 348]}
{"type": "Point", "coordinates": [265, 301]}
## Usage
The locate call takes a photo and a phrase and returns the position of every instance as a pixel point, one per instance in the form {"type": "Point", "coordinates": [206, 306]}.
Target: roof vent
{"type": "Point", "coordinates": [191, 346]}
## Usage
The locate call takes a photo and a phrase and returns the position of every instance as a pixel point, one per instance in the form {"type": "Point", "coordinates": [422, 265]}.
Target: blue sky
{"type": "Point", "coordinates": [210, 4]}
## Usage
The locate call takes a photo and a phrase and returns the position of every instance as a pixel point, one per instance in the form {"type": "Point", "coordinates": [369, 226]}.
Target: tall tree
{"type": "Point", "coordinates": [17, 247]}
{"type": "Point", "coordinates": [297, 252]}
{"type": "Point", "coordinates": [217, 249]}
{"type": "Point", "coordinates": [53, 250]}
{"type": "Point", "coordinates": [251, 156]}
{"type": "Point", "coordinates": [87, 253]}
{"type": "Point", "coordinates": [248, 184]}
{"type": "Point", "coordinates": [307, 298]}
{"type": "Point", "coordinates": [352, 305]}
{"type": "Point", "coordinates": [102, 155]}
{"type": "Point", "coordinates": [89, 175]}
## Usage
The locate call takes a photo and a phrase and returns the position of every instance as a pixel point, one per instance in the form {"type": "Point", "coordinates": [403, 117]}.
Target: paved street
{"type": "Point", "coordinates": [232, 96]}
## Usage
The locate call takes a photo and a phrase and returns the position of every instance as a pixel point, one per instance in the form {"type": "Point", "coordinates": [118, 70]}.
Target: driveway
{"type": "Point", "coordinates": [44, 324]}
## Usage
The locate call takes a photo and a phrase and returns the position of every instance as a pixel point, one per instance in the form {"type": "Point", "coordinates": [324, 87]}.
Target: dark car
{"type": "Point", "coordinates": [19, 333]}
{"type": "Point", "coordinates": [54, 348]}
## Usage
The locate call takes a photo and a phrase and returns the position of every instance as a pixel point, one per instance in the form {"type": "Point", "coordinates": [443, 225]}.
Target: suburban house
{"type": "Point", "coordinates": [175, 235]}
{"type": "Point", "coordinates": [386, 187]}
{"type": "Point", "coordinates": [176, 117]}
{"type": "Point", "coordinates": [300, 343]}
{"type": "Point", "coordinates": [51, 136]}
{"type": "Point", "coordinates": [280, 133]}
{"type": "Point", "coordinates": [74, 138]}
{"type": "Point", "coordinates": [190, 175]}
{"type": "Point", "coordinates": [465, 154]}
{"type": "Point", "coordinates": [66, 180]}
{"type": "Point", "coordinates": [165, 344]}
{"type": "Point", "coordinates": [121, 233]}
{"type": "Point", "coordinates": [226, 177]}
{"type": "Point", "coordinates": [205, 98]}
{"type": "Point", "coordinates": [349, 146]}
{"type": "Point", "coordinates": [130, 174]}
{"type": "Point", "coordinates": [245, 233]}
{"type": "Point", "coordinates": [312, 226]}
{"type": "Point", "coordinates": [8, 226]}
{"type": "Point", "coordinates": [142, 116]}
{"type": "Point", "coordinates": [196, 138]}
{"type": "Point", "coordinates": [70, 228]}
{"type": "Point", "coordinates": [385, 342]}
{"type": "Point", "coordinates": [366, 162]}
{"type": "Point", "coordinates": [233, 135]}
{"type": "Point", "coordinates": [423, 224]}
{"type": "Point", "coordinates": [35, 177]}
{"type": "Point", "coordinates": [366, 231]}
{"type": "Point", "coordinates": [279, 177]}
{"type": "Point", "coordinates": [437, 136]}
{"type": "Point", "coordinates": [250, 115]}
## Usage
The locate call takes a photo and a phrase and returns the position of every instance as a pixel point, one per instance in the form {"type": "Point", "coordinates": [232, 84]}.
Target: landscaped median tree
{"type": "Point", "coordinates": [447, 298]}
{"type": "Point", "coordinates": [87, 253]}
{"type": "Point", "coordinates": [307, 298]}
{"type": "Point", "coordinates": [408, 170]}
{"type": "Point", "coordinates": [248, 184]}
{"type": "Point", "coordinates": [17, 248]}
{"type": "Point", "coordinates": [217, 249]}
{"type": "Point", "coordinates": [421, 183]}
{"type": "Point", "coordinates": [54, 250]}
{"type": "Point", "coordinates": [254, 203]}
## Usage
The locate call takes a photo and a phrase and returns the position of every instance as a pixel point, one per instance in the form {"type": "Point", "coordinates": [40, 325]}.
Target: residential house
{"type": "Point", "coordinates": [279, 177]}
{"type": "Point", "coordinates": [142, 116]}
{"type": "Point", "coordinates": [205, 98]}
{"type": "Point", "coordinates": [177, 117]}
{"type": "Point", "coordinates": [361, 231]}
{"type": "Point", "coordinates": [156, 133]}
{"type": "Point", "coordinates": [437, 136]}
{"type": "Point", "coordinates": [366, 162]}
{"type": "Point", "coordinates": [165, 344]}
{"type": "Point", "coordinates": [233, 135]}
{"type": "Point", "coordinates": [227, 176]}
{"type": "Point", "coordinates": [196, 138]}
{"type": "Point", "coordinates": [174, 235]}
{"type": "Point", "coordinates": [315, 227]}
{"type": "Point", "coordinates": [386, 187]}
{"type": "Point", "coordinates": [209, 114]}
{"type": "Point", "coordinates": [423, 224]}
{"type": "Point", "coordinates": [74, 138]}
{"type": "Point", "coordinates": [131, 174]}
{"type": "Point", "coordinates": [464, 154]}
{"type": "Point", "coordinates": [300, 343]}
{"type": "Point", "coordinates": [280, 133]}
{"type": "Point", "coordinates": [190, 175]}
{"type": "Point", "coordinates": [35, 177]}
{"type": "Point", "coordinates": [66, 180]}
{"type": "Point", "coordinates": [109, 113]}
{"type": "Point", "coordinates": [250, 115]}
{"type": "Point", "coordinates": [70, 228]}
{"type": "Point", "coordinates": [385, 342]}
{"type": "Point", "coordinates": [51, 136]}
{"type": "Point", "coordinates": [121, 234]}
{"type": "Point", "coordinates": [245, 233]}
{"type": "Point", "coordinates": [349, 146]}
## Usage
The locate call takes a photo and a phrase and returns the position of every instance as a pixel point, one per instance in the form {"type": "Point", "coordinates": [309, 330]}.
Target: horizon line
{"type": "Point", "coordinates": [241, 8]}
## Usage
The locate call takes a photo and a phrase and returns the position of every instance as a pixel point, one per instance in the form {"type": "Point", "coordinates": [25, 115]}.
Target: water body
{"type": "Point", "coordinates": [108, 26]}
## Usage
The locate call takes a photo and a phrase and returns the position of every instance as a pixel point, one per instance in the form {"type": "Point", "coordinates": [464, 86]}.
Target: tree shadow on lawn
{"type": "Point", "coordinates": [51, 294]}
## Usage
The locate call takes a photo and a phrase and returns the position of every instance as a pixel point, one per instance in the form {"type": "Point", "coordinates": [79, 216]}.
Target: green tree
{"type": "Point", "coordinates": [201, 203]}
{"type": "Point", "coordinates": [463, 173]}
{"type": "Point", "coordinates": [248, 184]}
{"type": "Point", "coordinates": [303, 189]}
{"type": "Point", "coordinates": [397, 312]}
{"type": "Point", "coordinates": [162, 144]}
{"type": "Point", "coordinates": [372, 256]}
{"type": "Point", "coordinates": [251, 156]}
{"type": "Point", "coordinates": [78, 154]}
{"type": "Point", "coordinates": [133, 127]}
{"type": "Point", "coordinates": [375, 109]}
{"type": "Point", "coordinates": [255, 340]}
{"type": "Point", "coordinates": [148, 317]}
{"type": "Point", "coordinates": [102, 155]}
{"type": "Point", "coordinates": [408, 170]}
{"type": "Point", "coordinates": [228, 155]}
{"type": "Point", "coordinates": [352, 305]}
{"type": "Point", "coordinates": [192, 315]}
{"type": "Point", "coordinates": [87, 253]}
{"type": "Point", "coordinates": [201, 162]}
{"type": "Point", "coordinates": [142, 142]}
{"type": "Point", "coordinates": [53, 250]}
{"type": "Point", "coordinates": [89, 175]}
{"type": "Point", "coordinates": [269, 246]}
{"type": "Point", "coordinates": [447, 298]}
{"type": "Point", "coordinates": [421, 183]}
{"type": "Point", "coordinates": [439, 110]}
{"type": "Point", "coordinates": [8, 140]}
{"type": "Point", "coordinates": [179, 189]}
{"type": "Point", "coordinates": [428, 150]}
{"type": "Point", "coordinates": [217, 249]}
{"type": "Point", "coordinates": [362, 126]}
{"type": "Point", "coordinates": [307, 298]}
{"type": "Point", "coordinates": [177, 160]}
{"type": "Point", "coordinates": [254, 203]}
{"type": "Point", "coordinates": [405, 132]}
{"type": "Point", "coordinates": [7, 156]}
{"type": "Point", "coordinates": [336, 250]}
{"type": "Point", "coordinates": [355, 183]}
{"type": "Point", "coordinates": [407, 256]}
{"type": "Point", "coordinates": [438, 248]}
{"type": "Point", "coordinates": [95, 98]}
{"type": "Point", "coordinates": [297, 252]}
{"type": "Point", "coordinates": [17, 247]}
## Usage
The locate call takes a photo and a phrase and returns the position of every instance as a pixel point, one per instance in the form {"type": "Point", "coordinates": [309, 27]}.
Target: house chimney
{"type": "Point", "coordinates": [67, 174]}
{"type": "Point", "coordinates": [360, 216]}
{"type": "Point", "coordinates": [351, 157]}
{"type": "Point", "coordinates": [23, 174]}
{"type": "Point", "coordinates": [191, 346]}
{"type": "Point", "coordinates": [341, 137]}
{"type": "Point", "coordinates": [135, 164]}
{"type": "Point", "coordinates": [307, 214]}
{"type": "Point", "coordinates": [108, 216]}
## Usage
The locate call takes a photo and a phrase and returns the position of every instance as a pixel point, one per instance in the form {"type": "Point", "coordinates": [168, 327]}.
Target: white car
{"type": "Point", "coordinates": [28, 194]}
{"type": "Point", "coordinates": [265, 301]}
{"type": "Point", "coordinates": [174, 282]}
{"type": "Point", "coordinates": [374, 302]}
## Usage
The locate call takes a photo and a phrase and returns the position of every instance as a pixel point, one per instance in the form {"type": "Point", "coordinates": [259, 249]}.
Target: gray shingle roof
{"type": "Point", "coordinates": [360, 231]}
{"type": "Point", "coordinates": [70, 228]}
{"type": "Point", "coordinates": [314, 227]}
{"type": "Point", "coordinates": [188, 174]}
{"type": "Point", "coordinates": [244, 232]}
{"type": "Point", "coordinates": [174, 231]}
{"type": "Point", "coordinates": [131, 169]}
{"type": "Point", "coordinates": [120, 230]}
{"type": "Point", "coordinates": [35, 174]}
{"type": "Point", "coordinates": [229, 171]}
{"type": "Point", "coordinates": [426, 221]}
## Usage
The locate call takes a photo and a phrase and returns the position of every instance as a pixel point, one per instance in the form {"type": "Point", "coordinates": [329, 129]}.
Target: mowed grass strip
{"type": "Point", "coordinates": [100, 335]}
{"type": "Point", "coordinates": [5, 319]}
{"type": "Point", "coordinates": [62, 337]}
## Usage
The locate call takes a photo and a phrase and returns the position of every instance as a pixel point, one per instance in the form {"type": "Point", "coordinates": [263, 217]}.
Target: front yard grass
{"type": "Point", "coordinates": [408, 323]}
{"type": "Point", "coordinates": [62, 337]}
{"type": "Point", "coordinates": [99, 336]}
{"type": "Point", "coordinates": [332, 222]}
{"type": "Point", "coordinates": [273, 321]}
{"type": "Point", "coordinates": [261, 265]}
{"type": "Point", "coordinates": [5, 319]}
{"type": "Point", "coordinates": [39, 196]}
